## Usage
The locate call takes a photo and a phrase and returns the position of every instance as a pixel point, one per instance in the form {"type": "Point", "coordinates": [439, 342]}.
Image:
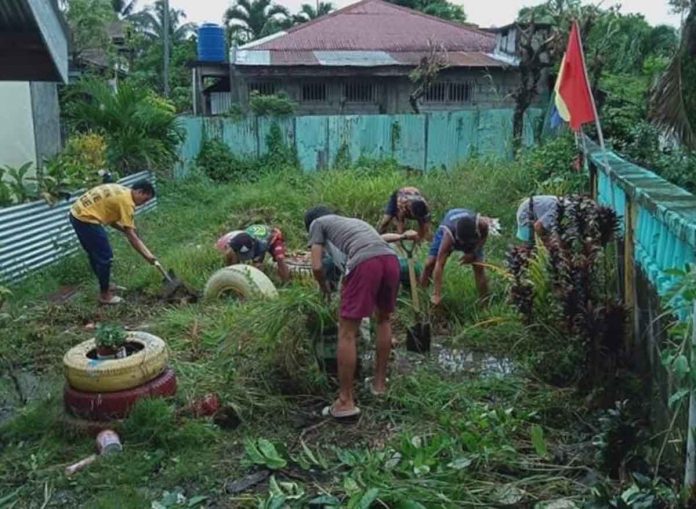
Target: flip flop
{"type": "Point", "coordinates": [375, 393]}
{"type": "Point", "coordinates": [341, 415]}
{"type": "Point", "coordinates": [115, 299]}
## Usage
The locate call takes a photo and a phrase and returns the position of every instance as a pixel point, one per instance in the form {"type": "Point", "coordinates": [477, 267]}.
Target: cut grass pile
{"type": "Point", "coordinates": [440, 439]}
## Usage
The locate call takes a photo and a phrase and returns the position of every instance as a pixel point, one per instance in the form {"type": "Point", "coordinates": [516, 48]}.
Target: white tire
{"type": "Point", "coordinates": [244, 281]}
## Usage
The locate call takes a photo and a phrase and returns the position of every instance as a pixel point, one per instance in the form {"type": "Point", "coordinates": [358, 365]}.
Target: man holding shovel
{"type": "Point", "coordinates": [112, 205]}
{"type": "Point", "coordinates": [370, 285]}
{"type": "Point", "coordinates": [461, 230]}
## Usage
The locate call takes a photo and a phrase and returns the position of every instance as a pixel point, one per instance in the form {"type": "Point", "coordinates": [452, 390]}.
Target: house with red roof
{"type": "Point", "coordinates": [357, 60]}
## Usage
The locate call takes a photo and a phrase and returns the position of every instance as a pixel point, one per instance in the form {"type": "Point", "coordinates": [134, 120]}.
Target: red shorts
{"type": "Point", "coordinates": [374, 283]}
{"type": "Point", "coordinates": [276, 246]}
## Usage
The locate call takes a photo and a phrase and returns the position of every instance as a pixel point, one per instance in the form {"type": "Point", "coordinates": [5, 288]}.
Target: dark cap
{"type": "Point", "coordinates": [243, 245]}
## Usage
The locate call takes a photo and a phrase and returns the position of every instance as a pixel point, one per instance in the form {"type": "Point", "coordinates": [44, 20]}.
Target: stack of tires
{"type": "Point", "coordinates": [106, 389]}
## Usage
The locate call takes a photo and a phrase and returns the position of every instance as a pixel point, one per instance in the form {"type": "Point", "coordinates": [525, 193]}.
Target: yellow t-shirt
{"type": "Point", "coordinates": [106, 204]}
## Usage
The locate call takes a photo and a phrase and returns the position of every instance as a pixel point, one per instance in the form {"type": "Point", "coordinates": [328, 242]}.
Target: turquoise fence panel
{"type": "Point", "coordinates": [311, 142]}
{"type": "Point", "coordinates": [408, 140]}
{"type": "Point", "coordinates": [433, 140]}
{"type": "Point", "coordinates": [494, 133]}
{"type": "Point", "coordinates": [240, 136]}
{"type": "Point", "coordinates": [188, 150]}
{"type": "Point", "coordinates": [287, 131]}
{"type": "Point", "coordinates": [532, 124]}
{"type": "Point", "coordinates": [452, 138]}
{"type": "Point", "coordinates": [665, 216]}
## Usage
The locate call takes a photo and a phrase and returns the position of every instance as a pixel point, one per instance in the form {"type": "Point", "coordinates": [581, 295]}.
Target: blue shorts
{"type": "Point", "coordinates": [437, 241]}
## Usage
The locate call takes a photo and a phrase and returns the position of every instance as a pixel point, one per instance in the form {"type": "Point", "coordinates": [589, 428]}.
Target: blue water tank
{"type": "Point", "coordinates": [211, 43]}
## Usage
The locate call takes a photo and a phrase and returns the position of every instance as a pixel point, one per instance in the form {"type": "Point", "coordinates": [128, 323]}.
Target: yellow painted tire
{"type": "Point", "coordinates": [243, 280]}
{"type": "Point", "coordinates": [93, 375]}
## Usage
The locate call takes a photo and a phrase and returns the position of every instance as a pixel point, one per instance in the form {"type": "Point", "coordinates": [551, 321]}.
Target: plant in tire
{"type": "Point", "coordinates": [110, 338]}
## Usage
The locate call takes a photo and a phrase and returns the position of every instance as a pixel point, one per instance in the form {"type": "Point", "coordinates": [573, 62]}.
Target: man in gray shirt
{"type": "Point", "coordinates": [371, 283]}
{"type": "Point", "coordinates": [540, 216]}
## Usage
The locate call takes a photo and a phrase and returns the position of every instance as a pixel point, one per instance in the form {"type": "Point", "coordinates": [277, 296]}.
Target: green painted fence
{"type": "Point", "coordinates": [426, 141]}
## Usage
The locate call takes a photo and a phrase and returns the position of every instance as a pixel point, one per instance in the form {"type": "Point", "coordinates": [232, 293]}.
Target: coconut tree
{"type": "Point", "coordinates": [124, 8]}
{"type": "Point", "coordinates": [673, 102]}
{"type": "Point", "coordinates": [150, 23]}
{"type": "Point", "coordinates": [248, 20]}
{"type": "Point", "coordinates": [308, 12]}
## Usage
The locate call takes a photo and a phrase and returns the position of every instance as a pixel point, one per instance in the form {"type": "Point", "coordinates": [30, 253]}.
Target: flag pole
{"type": "Point", "coordinates": [598, 125]}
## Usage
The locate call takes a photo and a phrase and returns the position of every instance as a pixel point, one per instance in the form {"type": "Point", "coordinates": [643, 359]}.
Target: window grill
{"type": "Point", "coordinates": [357, 92]}
{"type": "Point", "coordinates": [314, 92]}
{"type": "Point", "coordinates": [262, 88]}
{"type": "Point", "coordinates": [460, 92]}
{"type": "Point", "coordinates": [436, 93]}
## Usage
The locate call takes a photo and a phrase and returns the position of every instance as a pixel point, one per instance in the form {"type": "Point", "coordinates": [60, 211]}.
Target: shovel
{"type": "Point", "coordinates": [418, 336]}
{"type": "Point", "coordinates": [174, 288]}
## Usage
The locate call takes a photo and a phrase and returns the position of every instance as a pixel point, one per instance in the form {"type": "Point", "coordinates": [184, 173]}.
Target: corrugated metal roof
{"type": "Point", "coordinates": [361, 58]}
{"type": "Point", "coordinates": [377, 25]}
{"type": "Point", "coordinates": [16, 16]}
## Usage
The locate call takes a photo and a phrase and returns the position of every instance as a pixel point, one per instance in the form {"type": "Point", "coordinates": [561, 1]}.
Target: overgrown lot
{"type": "Point", "coordinates": [452, 432]}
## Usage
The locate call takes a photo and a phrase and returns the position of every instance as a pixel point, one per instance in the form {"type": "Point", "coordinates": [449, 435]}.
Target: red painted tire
{"type": "Point", "coordinates": [106, 406]}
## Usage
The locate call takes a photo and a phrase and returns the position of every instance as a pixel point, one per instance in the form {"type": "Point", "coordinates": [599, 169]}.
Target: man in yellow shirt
{"type": "Point", "coordinates": [112, 205]}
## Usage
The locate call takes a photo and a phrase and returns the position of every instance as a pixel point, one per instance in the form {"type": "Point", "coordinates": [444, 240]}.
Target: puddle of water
{"type": "Point", "coordinates": [449, 360]}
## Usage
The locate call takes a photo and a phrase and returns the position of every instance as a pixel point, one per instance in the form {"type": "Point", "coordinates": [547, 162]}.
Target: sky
{"type": "Point", "coordinates": [485, 13]}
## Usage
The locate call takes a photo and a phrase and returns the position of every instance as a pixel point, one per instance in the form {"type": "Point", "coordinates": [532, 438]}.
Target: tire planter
{"type": "Point", "coordinates": [242, 280]}
{"type": "Point", "coordinates": [85, 372]}
{"type": "Point", "coordinates": [116, 405]}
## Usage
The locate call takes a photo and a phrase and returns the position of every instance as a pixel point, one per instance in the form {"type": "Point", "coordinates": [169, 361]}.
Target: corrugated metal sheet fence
{"type": "Point", "coordinates": [34, 235]}
{"type": "Point", "coordinates": [425, 142]}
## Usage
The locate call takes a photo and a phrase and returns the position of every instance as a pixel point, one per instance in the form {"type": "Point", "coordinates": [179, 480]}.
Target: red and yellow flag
{"type": "Point", "coordinates": [574, 100]}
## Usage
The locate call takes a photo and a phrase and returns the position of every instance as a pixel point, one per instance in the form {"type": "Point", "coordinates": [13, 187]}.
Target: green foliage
{"type": "Point", "coordinates": [263, 452]}
{"type": "Point", "coordinates": [110, 335]}
{"type": "Point", "coordinates": [248, 20]}
{"type": "Point", "coordinates": [217, 161]}
{"type": "Point", "coordinates": [551, 166]}
{"type": "Point", "coordinates": [141, 129]}
{"type": "Point", "coordinates": [276, 105]}
{"type": "Point", "coordinates": [15, 186]}
{"type": "Point", "coordinates": [643, 493]}
{"type": "Point", "coordinates": [88, 21]}
{"type": "Point", "coordinates": [439, 8]}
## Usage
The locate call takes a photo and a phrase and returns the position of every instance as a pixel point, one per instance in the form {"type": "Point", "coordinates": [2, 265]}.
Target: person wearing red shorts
{"type": "Point", "coordinates": [252, 245]}
{"type": "Point", "coordinates": [370, 285]}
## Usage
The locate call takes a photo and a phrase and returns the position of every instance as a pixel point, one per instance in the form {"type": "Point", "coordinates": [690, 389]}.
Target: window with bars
{"type": "Point", "coordinates": [437, 93]}
{"type": "Point", "coordinates": [262, 88]}
{"type": "Point", "coordinates": [314, 92]}
{"type": "Point", "coordinates": [357, 92]}
{"type": "Point", "coordinates": [460, 92]}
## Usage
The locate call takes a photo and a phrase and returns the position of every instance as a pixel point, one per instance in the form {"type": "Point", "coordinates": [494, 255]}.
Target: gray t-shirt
{"type": "Point", "coordinates": [545, 207]}
{"type": "Point", "coordinates": [354, 238]}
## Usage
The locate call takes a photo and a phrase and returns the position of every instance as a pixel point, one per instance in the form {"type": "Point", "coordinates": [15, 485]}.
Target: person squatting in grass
{"type": "Point", "coordinates": [112, 205]}
{"type": "Point", "coordinates": [252, 245]}
{"type": "Point", "coordinates": [370, 285]}
{"type": "Point", "coordinates": [461, 230]}
{"type": "Point", "coordinates": [407, 203]}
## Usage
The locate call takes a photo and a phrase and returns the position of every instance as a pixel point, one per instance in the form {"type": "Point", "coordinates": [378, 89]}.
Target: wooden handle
{"type": "Point", "coordinates": [414, 284]}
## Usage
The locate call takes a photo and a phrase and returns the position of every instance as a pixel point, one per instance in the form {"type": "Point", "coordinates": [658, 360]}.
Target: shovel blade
{"type": "Point", "coordinates": [418, 338]}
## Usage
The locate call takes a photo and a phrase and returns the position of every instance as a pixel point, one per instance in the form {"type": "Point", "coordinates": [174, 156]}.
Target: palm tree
{"type": "Point", "coordinates": [308, 12]}
{"type": "Point", "coordinates": [248, 20]}
{"type": "Point", "coordinates": [124, 8]}
{"type": "Point", "coordinates": [673, 102]}
{"type": "Point", "coordinates": [150, 22]}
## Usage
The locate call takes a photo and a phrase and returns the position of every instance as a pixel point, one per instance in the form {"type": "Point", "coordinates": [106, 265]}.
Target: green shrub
{"type": "Point", "coordinates": [277, 105]}
{"type": "Point", "coordinates": [551, 166]}
{"type": "Point", "coordinates": [140, 128]}
{"type": "Point", "coordinates": [218, 162]}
